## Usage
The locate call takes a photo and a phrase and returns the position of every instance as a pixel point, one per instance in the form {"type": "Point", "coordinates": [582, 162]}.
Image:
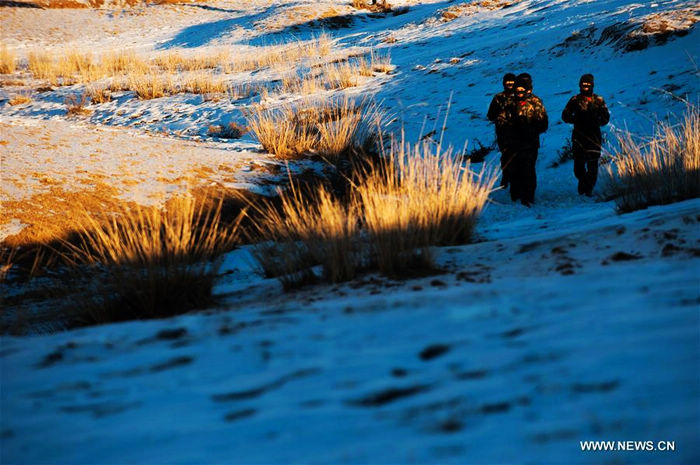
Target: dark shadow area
{"type": "Point", "coordinates": [209, 8]}
{"type": "Point", "coordinates": [333, 23]}
{"type": "Point", "coordinates": [201, 34]}
{"type": "Point", "coordinates": [15, 4]}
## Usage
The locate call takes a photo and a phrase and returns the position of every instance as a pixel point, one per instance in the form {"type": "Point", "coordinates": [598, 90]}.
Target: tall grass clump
{"type": "Point", "coordinates": [307, 229]}
{"type": "Point", "coordinates": [117, 62]}
{"type": "Point", "coordinates": [380, 6]}
{"type": "Point", "coordinates": [202, 82]}
{"type": "Point", "coordinates": [42, 66]}
{"type": "Point", "coordinates": [332, 129]}
{"type": "Point", "coordinates": [663, 170]}
{"type": "Point", "coordinates": [417, 197]}
{"type": "Point", "coordinates": [147, 262]}
{"type": "Point", "coordinates": [8, 60]}
{"type": "Point", "coordinates": [151, 85]}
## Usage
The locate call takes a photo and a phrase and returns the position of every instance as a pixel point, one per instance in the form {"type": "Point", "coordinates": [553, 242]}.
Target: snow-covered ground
{"type": "Point", "coordinates": [567, 322]}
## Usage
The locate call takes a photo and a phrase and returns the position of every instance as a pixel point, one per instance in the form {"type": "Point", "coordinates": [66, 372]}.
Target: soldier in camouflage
{"type": "Point", "coordinates": [497, 106]}
{"type": "Point", "coordinates": [587, 112]}
{"type": "Point", "coordinates": [524, 118]}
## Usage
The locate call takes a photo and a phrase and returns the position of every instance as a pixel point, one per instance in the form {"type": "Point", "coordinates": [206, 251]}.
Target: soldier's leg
{"type": "Point", "coordinates": [515, 175]}
{"type": "Point", "coordinates": [579, 165]}
{"type": "Point", "coordinates": [529, 177]}
{"type": "Point", "coordinates": [591, 175]}
{"type": "Point", "coordinates": [506, 162]}
{"type": "Point", "coordinates": [580, 173]}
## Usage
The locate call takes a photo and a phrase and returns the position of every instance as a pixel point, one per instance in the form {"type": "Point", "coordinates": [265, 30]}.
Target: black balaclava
{"type": "Point", "coordinates": [523, 80]}
{"type": "Point", "coordinates": [509, 77]}
{"type": "Point", "coordinates": [586, 84]}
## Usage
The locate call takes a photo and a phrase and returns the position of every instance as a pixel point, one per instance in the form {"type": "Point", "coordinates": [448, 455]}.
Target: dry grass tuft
{"type": "Point", "coordinates": [115, 63]}
{"type": "Point", "coordinates": [72, 66]}
{"type": "Point", "coordinates": [72, 62]}
{"type": "Point", "coordinates": [229, 131]}
{"type": "Point", "coordinates": [279, 132]}
{"type": "Point", "coordinates": [42, 66]}
{"type": "Point", "coordinates": [341, 75]}
{"type": "Point", "coordinates": [381, 63]}
{"type": "Point", "coordinates": [20, 99]}
{"type": "Point", "coordinates": [333, 129]}
{"type": "Point", "coordinates": [150, 86]}
{"type": "Point", "coordinates": [147, 262]}
{"type": "Point", "coordinates": [664, 170]}
{"type": "Point", "coordinates": [98, 94]}
{"type": "Point", "coordinates": [420, 196]}
{"type": "Point", "coordinates": [8, 60]}
{"type": "Point", "coordinates": [205, 83]}
{"type": "Point", "coordinates": [76, 106]}
{"type": "Point", "coordinates": [415, 198]}
{"type": "Point", "coordinates": [377, 6]}
{"type": "Point", "coordinates": [377, 63]}
{"type": "Point", "coordinates": [174, 61]}
{"type": "Point", "coordinates": [463, 9]}
{"type": "Point", "coordinates": [308, 229]}
{"type": "Point", "coordinates": [7, 261]}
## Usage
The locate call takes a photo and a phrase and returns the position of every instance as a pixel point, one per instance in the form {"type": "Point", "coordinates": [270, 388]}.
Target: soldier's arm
{"type": "Point", "coordinates": [569, 113]}
{"type": "Point", "coordinates": [503, 119]}
{"type": "Point", "coordinates": [543, 118]}
{"type": "Point", "coordinates": [494, 109]}
{"type": "Point", "coordinates": [603, 113]}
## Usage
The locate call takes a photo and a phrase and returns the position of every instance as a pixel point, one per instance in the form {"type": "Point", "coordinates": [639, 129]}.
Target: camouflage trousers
{"type": "Point", "coordinates": [586, 171]}
{"type": "Point", "coordinates": [522, 176]}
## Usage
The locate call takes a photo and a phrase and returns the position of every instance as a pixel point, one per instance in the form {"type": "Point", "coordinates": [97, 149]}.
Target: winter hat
{"type": "Point", "coordinates": [524, 80]}
{"type": "Point", "coordinates": [586, 78]}
{"type": "Point", "coordinates": [508, 77]}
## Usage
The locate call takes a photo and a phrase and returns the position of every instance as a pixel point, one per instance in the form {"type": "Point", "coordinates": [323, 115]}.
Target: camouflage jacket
{"type": "Point", "coordinates": [524, 119]}
{"type": "Point", "coordinates": [496, 108]}
{"type": "Point", "coordinates": [587, 114]}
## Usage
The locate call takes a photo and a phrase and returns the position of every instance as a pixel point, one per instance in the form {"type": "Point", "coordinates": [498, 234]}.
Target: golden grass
{"type": "Point", "coordinates": [74, 62]}
{"type": "Point", "coordinates": [306, 84]}
{"type": "Point", "coordinates": [42, 66]}
{"type": "Point", "coordinates": [279, 132]}
{"type": "Point", "coordinates": [148, 262]}
{"type": "Point", "coordinates": [151, 85]}
{"type": "Point", "coordinates": [417, 197]}
{"type": "Point", "coordinates": [157, 77]}
{"type": "Point", "coordinates": [117, 62]}
{"type": "Point", "coordinates": [73, 66]}
{"type": "Point", "coordinates": [8, 60]}
{"type": "Point", "coordinates": [333, 128]}
{"type": "Point", "coordinates": [7, 261]}
{"type": "Point", "coordinates": [75, 106]}
{"type": "Point", "coordinates": [283, 55]}
{"type": "Point", "coordinates": [380, 62]}
{"type": "Point", "coordinates": [174, 61]}
{"type": "Point", "coordinates": [183, 231]}
{"type": "Point", "coordinates": [273, 55]}
{"type": "Point", "coordinates": [205, 83]}
{"type": "Point", "coordinates": [420, 196]}
{"type": "Point", "coordinates": [20, 99]}
{"type": "Point", "coordinates": [463, 9]}
{"type": "Point", "coordinates": [98, 94]}
{"type": "Point", "coordinates": [379, 6]}
{"type": "Point", "coordinates": [663, 170]}
{"type": "Point", "coordinates": [341, 75]}
{"type": "Point", "coordinates": [308, 229]}
{"type": "Point", "coordinates": [228, 131]}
